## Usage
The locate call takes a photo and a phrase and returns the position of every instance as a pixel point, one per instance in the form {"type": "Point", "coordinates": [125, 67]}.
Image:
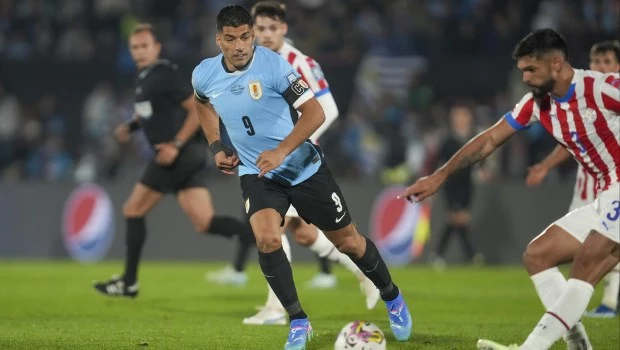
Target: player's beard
{"type": "Point", "coordinates": [543, 89]}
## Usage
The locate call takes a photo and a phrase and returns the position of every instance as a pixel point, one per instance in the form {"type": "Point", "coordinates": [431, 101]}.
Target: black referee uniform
{"type": "Point", "coordinates": [160, 89]}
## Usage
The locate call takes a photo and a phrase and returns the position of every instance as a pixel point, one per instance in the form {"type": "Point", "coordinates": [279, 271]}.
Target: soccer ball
{"type": "Point", "coordinates": [360, 335]}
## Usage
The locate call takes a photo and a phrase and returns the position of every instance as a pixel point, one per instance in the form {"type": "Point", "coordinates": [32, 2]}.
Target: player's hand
{"type": "Point", "coordinates": [227, 162]}
{"type": "Point", "coordinates": [423, 188]}
{"type": "Point", "coordinates": [122, 133]}
{"type": "Point", "coordinates": [536, 174]}
{"type": "Point", "coordinates": [269, 160]}
{"type": "Point", "coordinates": [166, 153]}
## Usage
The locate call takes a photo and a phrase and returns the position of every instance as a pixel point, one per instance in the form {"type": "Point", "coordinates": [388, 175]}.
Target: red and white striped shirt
{"type": "Point", "coordinates": [586, 121]}
{"type": "Point", "coordinates": [307, 67]}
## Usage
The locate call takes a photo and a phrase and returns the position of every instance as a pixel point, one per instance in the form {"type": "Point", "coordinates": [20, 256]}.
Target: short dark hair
{"type": "Point", "coordinates": [272, 9]}
{"type": "Point", "coordinates": [233, 16]}
{"type": "Point", "coordinates": [606, 46]}
{"type": "Point", "coordinates": [144, 27]}
{"type": "Point", "coordinates": [540, 42]}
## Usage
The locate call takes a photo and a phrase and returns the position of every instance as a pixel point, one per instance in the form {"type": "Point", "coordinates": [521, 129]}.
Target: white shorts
{"type": "Point", "coordinates": [292, 212]}
{"type": "Point", "coordinates": [601, 215]}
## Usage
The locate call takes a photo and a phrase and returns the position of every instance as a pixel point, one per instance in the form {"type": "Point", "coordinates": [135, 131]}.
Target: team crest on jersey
{"type": "Point", "coordinates": [256, 91]}
{"type": "Point", "coordinates": [588, 115]}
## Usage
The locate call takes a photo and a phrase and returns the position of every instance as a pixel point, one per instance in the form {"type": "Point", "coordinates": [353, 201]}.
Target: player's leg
{"type": "Point", "coordinates": [611, 293]}
{"type": "Point", "coordinates": [266, 204]}
{"type": "Point", "coordinates": [557, 245]}
{"type": "Point", "coordinates": [305, 235]}
{"type": "Point", "coordinates": [273, 313]}
{"type": "Point", "coordinates": [596, 257]}
{"type": "Point", "coordinates": [234, 274]}
{"type": "Point", "coordinates": [598, 254]}
{"type": "Point", "coordinates": [310, 236]}
{"type": "Point", "coordinates": [319, 201]}
{"type": "Point", "coordinates": [141, 200]}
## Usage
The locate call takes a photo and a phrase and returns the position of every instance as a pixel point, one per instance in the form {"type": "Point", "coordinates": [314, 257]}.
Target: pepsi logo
{"type": "Point", "coordinates": [400, 229]}
{"type": "Point", "coordinates": [88, 223]}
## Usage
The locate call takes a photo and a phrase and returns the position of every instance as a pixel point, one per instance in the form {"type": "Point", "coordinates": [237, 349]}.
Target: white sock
{"type": "Point", "coordinates": [272, 299]}
{"type": "Point", "coordinates": [286, 246]}
{"type": "Point", "coordinates": [549, 285]}
{"type": "Point", "coordinates": [326, 249]}
{"type": "Point", "coordinates": [561, 317]}
{"type": "Point", "coordinates": [612, 285]}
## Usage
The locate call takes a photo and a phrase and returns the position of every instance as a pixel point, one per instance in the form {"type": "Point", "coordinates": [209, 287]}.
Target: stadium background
{"type": "Point", "coordinates": [394, 67]}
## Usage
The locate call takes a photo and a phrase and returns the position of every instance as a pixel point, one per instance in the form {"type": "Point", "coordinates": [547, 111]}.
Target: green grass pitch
{"type": "Point", "coordinates": [51, 305]}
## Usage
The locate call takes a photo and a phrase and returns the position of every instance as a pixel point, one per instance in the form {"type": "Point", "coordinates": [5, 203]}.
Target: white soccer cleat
{"type": "Point", "coordinates": [371, 292]}
{"type": "Point", "coordinates": [484, 344]}
{"type": "Point", "coordinates": [267, 316]}
{"type": "Point", "coordinates": [323, 281]}
{"type": "Point", "coordinates": [577, 338]}
{"type": "Point", "coordinates": [227, 276]}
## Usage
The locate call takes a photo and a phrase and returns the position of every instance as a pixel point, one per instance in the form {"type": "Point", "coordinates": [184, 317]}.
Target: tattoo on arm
{"type": "Point", "coordinates": [469, 160]}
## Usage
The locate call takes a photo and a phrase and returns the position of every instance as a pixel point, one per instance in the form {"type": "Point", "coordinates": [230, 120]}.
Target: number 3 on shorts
{"type": "Point", "coordinates": [614, 214]}
{"type": "Point", "coordinates": [338, 203]}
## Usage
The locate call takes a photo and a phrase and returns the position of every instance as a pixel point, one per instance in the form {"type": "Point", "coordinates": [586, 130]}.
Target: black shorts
{"type": "Point", "coordinates": [458, 199]}
{"type": "Point", "coordinates": [318, 200]}
{"type": "Point", "coordinates": [188, 171]}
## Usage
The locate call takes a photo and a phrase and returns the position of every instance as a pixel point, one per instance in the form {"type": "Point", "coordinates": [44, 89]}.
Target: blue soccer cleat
{"type": "Point", "coordinates": [299, 335]}
{"type": "Point", "coordinates": [400, 318]}
{"type": "Point", "coordinates": [602, 311]}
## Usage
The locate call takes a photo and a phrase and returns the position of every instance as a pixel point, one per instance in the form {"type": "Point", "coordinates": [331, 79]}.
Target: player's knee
{"type": "Point", "coordinates": [535, 258]}
{"type": "Point", "coordinates": [131, 210]}
{"type": "Point", "coordinates": [203, 223]}
{"type": "Point", "coordinates": [351, 245]}
{"type": "Point", "coordinates": [305, 236]}
{"type": "Point", "coordinates": [268, 243]}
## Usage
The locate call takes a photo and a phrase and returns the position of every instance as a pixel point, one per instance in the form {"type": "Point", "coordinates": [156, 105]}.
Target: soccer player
{"type": "Point", "coordinates": [581, 109]}
{"type": "Point", "coordinates": [164, 109]}
{"type": "Point", "coordinates": [605, 58]}
{"type": "Point", "coordinates": [257, 95]}
{"type": "Point", "coordinates": [270, 28]}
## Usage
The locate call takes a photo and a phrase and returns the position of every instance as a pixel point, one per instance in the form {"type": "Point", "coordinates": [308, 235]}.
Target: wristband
{"type": "Point", "coordinates": [133, 125]}
{"type": "Point", "coordinates": [178, 143]}
{"type": "Point", "coordinates": [217, 147]}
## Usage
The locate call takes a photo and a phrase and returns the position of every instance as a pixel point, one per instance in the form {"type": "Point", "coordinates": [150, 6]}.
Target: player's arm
{"type": "Point", "coordinates": [610, 94]}
{"type": "Point", "coordinates": [311, 118]}
{"type": "Point", "coordinates": [225, 158]}
{"type": "Point", "coordinates": [478, 148]}
{"type": "Point", "coordinates": [474, 151]}
{"type": "Point", "coordinates": [330, 109]}
{"type": "Point", "coordinates": [207, 118]}
{"type": "Point", "coordinates": [538, 172]}
{"type": "Point", "coordinates": [313, 75]}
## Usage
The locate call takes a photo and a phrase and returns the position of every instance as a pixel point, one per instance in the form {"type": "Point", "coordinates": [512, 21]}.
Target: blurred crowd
{"type": "Point", "coordinates": [393, 137]}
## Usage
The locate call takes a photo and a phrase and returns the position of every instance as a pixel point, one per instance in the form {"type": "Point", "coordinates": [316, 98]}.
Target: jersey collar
{"type": "Point", "coordinates": [242, 70]}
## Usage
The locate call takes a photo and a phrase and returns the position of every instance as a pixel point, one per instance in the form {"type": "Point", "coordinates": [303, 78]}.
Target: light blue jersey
{"type": "Point", "coordinates": [258, 107]}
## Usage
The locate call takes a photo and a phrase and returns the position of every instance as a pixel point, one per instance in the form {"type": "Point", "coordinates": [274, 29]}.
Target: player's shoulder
{"type": "Point", "coordinates": [296, 56]}
{"type": "Point", "coordinates": [600, 78]}
{"type": "Point", "coordinates": [265, 55]}
{"type": "Point", "coordinates": [206, 70]}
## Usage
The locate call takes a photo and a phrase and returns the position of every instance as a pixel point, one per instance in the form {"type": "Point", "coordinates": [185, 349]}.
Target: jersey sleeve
{"type": "Point", "coordinates": [523, 114]}
{"type": "Point", "coordinates": [312, 74]}
{"type": "Point", "coordinates": [608, 93]}
{"type": "Point", "coordinates": [199, 83]}
{"type": "Point", "coordinates": [180, 89]}
{"type": "Point", "coordinates": [289, 83]}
